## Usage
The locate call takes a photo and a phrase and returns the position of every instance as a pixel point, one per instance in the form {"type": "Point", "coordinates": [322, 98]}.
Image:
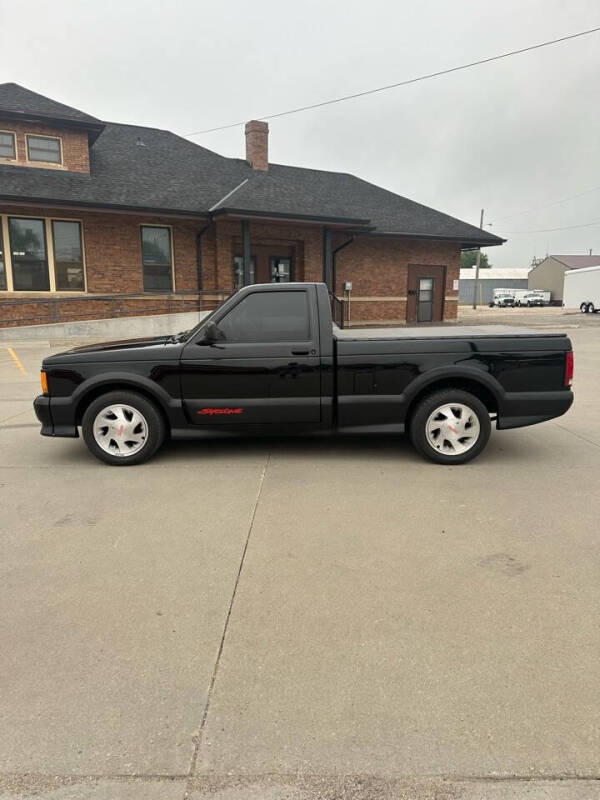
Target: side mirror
{"type": "Point", "coordinates": [212, 334]}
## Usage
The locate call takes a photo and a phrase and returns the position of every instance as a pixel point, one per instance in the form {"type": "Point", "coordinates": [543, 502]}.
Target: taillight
{"type": "Point", "coordinates": [569, 365]}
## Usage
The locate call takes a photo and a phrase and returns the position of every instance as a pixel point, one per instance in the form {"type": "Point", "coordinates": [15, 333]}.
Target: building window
{"type": "Point", "coordinates": [238, 271]}
{"type": "Point", "coordinates": [44, 148]}
{"type": "Point", "coordinates": [68, 256]}
{"type": "Point", "coordinates": [7, 145]}
{"type": "Point", "coordinates": [41, 255]}
{"type": "Point", "coordinates": [28, 255]}
{"type": "Point", "coordinates": [3, 284]}
{"type": "Point", "coordinates": [157, 259]}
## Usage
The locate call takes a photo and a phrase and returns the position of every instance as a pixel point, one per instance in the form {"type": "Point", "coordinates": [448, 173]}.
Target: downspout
{"type": "Point", "coordinates": [327, 257]}
{"type": "Point", "coordinates": [334, 263]}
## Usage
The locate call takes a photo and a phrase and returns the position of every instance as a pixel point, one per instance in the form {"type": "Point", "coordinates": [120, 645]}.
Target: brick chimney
{"type": "Point", "coordinates": [257, 144]}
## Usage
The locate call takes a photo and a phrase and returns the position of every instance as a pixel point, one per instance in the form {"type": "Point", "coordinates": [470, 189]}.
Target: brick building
{"type": "Point", "coordinates": [90, 208]}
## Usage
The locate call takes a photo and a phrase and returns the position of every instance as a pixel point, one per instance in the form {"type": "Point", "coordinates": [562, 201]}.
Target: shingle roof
{"type": "Point", "coordinates": [577, 262]}
{"type": "Point", "coordinates": [155, 170]}
{"type": "Point", "coordinates": [132, 167]}
{"type": "Point", "coordinates": [18, 99]}
{"type": "Point", "coordinates": [310, 192]}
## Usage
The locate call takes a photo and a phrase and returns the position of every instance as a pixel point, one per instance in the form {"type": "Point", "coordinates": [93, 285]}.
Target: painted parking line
{"type": "Point", "coordinates": [17, 361]}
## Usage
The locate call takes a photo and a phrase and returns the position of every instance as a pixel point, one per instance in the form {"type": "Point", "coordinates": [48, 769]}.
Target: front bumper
{"type": "Point", "coordinates": [42, 405]}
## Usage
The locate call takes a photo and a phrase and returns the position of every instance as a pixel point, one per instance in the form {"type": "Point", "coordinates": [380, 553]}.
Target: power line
{"type": "Point", "coordinates": [547, 205]}
{"type": "Point", "coordinates": [547, 230]}
{"type": "Point", "coordinates": [402, 83]}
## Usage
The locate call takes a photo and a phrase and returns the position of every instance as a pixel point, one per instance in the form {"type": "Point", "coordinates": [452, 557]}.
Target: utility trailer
{"type": "Point", "coordinates": [582, 289]}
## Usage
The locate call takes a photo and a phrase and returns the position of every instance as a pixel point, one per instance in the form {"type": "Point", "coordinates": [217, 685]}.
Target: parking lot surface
{"type": "Point", "coordinates": [302, 618]}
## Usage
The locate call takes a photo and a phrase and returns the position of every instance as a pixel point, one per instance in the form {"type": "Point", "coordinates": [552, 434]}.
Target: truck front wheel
{"type": "Point", "coordinates": [122, 428]}
{"type": "Point", "coordinates": [450, 426]}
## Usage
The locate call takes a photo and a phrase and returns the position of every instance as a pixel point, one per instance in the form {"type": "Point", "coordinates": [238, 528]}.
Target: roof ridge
{"type": "Point", "coordinates": [143, 127]}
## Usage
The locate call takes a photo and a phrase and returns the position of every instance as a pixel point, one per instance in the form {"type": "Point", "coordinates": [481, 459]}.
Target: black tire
{"type": "Point", "coordinates": [427, 406]}
{"type": "Point", "coordinates": [591, 308]}
{"type": "Point", "coordinates": [155, 424]}
{"type": "Point", "coordinates": [583, 308]}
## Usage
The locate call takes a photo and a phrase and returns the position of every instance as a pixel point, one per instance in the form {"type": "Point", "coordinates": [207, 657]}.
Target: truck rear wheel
{"type": "Point", "coordinates": [122, 428]}
{"type": "Point", "coordinates": [450, 426]}
{"type": "Point", "coordinates": [583, 308]}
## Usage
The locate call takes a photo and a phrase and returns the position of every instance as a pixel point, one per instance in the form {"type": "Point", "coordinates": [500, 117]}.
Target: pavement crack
{"type": "Point", "coordinates": [578, 435]}
{"type": "Point", "coordinates": [200, 735]}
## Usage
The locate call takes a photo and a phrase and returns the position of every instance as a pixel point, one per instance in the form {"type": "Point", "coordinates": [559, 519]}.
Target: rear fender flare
{"type": "Point", "coordinates": [453, 373]}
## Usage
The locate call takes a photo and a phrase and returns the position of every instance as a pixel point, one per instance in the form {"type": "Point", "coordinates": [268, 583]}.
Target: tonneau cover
{"type": "Point", "coordinates": [440, 332]}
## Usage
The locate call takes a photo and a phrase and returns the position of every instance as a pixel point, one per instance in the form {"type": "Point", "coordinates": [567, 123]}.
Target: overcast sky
{"type": "Point", "coordinates": [510, 136]}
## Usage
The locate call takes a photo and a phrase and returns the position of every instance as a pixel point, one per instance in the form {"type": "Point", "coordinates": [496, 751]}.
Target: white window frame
{"type": "Point", "coordinates": [44, 136]}
{"type": "Point", "coordinates": [6, 159]}
{"type": "Point", "coordinates": [49, 257]}
{"type": "Point", "coordinates": [172, 240]}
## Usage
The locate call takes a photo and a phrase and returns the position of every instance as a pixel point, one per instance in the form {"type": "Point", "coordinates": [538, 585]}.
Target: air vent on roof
{"type": "Point", "coordinates": [139, 142]}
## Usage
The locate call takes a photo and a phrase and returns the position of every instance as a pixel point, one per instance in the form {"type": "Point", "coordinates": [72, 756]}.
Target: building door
{"type": "Point", "coordinates": [269, 264]}
{"type": "Point", "coordinates": [425, 299]}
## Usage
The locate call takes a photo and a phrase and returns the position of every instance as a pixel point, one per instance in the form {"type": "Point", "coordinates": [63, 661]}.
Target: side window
{"type": "Point", "coordinates": [269, 317]}
{"type": "Point", "coordinates": [156, 258]}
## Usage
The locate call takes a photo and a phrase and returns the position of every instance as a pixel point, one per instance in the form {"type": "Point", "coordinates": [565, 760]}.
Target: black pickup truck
{"type": "Point", "coordinates": [269, 360]}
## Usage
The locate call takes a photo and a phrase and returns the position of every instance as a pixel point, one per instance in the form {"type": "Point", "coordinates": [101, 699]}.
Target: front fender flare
{"type": "Point", "coordinates": [171, 406]}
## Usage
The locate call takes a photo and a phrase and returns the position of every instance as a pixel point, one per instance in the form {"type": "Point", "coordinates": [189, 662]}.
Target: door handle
{"type": "Point", "coordinates": [299, 352]}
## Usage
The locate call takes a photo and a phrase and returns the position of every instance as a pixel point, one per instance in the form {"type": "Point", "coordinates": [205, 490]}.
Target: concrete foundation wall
{"type": "Point", "coordinates": [106, 329]}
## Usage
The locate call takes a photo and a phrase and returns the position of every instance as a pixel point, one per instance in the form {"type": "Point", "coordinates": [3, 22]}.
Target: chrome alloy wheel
{"type": "Point", "coordinates": [120, 430]}
{"type": "Point", "coordinates": [452, 429]}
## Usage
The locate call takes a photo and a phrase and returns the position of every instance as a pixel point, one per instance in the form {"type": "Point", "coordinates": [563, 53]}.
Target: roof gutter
{"type": "Point", "coordinates": [92, 128]}
{"type": "Point", "coordinates": [280, 215]}
{"type": "Point", "coordinates": [107, 209]}
{"type": "Point", "coordinates": [466, 243]}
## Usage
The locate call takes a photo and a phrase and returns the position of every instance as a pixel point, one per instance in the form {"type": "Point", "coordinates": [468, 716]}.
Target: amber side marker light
{"type": "Point", "coordinates": [44, 380]}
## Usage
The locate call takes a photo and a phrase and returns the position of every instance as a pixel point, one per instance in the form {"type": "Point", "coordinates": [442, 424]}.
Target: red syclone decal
{"type": "Point", "coordinates": [221, 411]}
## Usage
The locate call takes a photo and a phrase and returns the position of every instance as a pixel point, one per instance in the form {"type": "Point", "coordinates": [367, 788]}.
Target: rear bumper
{"type": "Point", "coordinates": [527, 408]}
{"type": "Point", "coordinates": [42, 405]}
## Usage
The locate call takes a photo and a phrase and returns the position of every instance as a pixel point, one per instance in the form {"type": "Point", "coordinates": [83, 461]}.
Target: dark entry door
{"type": "Point", "coordinates": [265, 370]}
{"type": "Point", "coordinates": [425, 300]}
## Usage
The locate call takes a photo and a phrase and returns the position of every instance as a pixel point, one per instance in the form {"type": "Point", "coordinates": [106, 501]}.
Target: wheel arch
{"type": "Point", "coordinates": [91, 392]}
{"type": "Point", "coordinates": [484, 390]}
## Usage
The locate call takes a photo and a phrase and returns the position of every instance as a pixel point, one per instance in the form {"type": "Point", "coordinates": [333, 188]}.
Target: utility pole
{"type": "Point", "coordinates": [476, 286]}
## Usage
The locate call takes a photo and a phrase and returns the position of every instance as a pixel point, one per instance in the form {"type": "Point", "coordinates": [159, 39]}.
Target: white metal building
{"type": "Point", "coordinates": [489, 279]}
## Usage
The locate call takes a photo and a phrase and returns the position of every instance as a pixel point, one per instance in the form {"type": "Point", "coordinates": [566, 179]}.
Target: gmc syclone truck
{"type": "Point", "coordinates": [268, 360]}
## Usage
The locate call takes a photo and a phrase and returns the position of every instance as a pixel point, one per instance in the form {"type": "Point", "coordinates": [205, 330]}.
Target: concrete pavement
{"type": "Point", "coordinates": [300, 618]}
